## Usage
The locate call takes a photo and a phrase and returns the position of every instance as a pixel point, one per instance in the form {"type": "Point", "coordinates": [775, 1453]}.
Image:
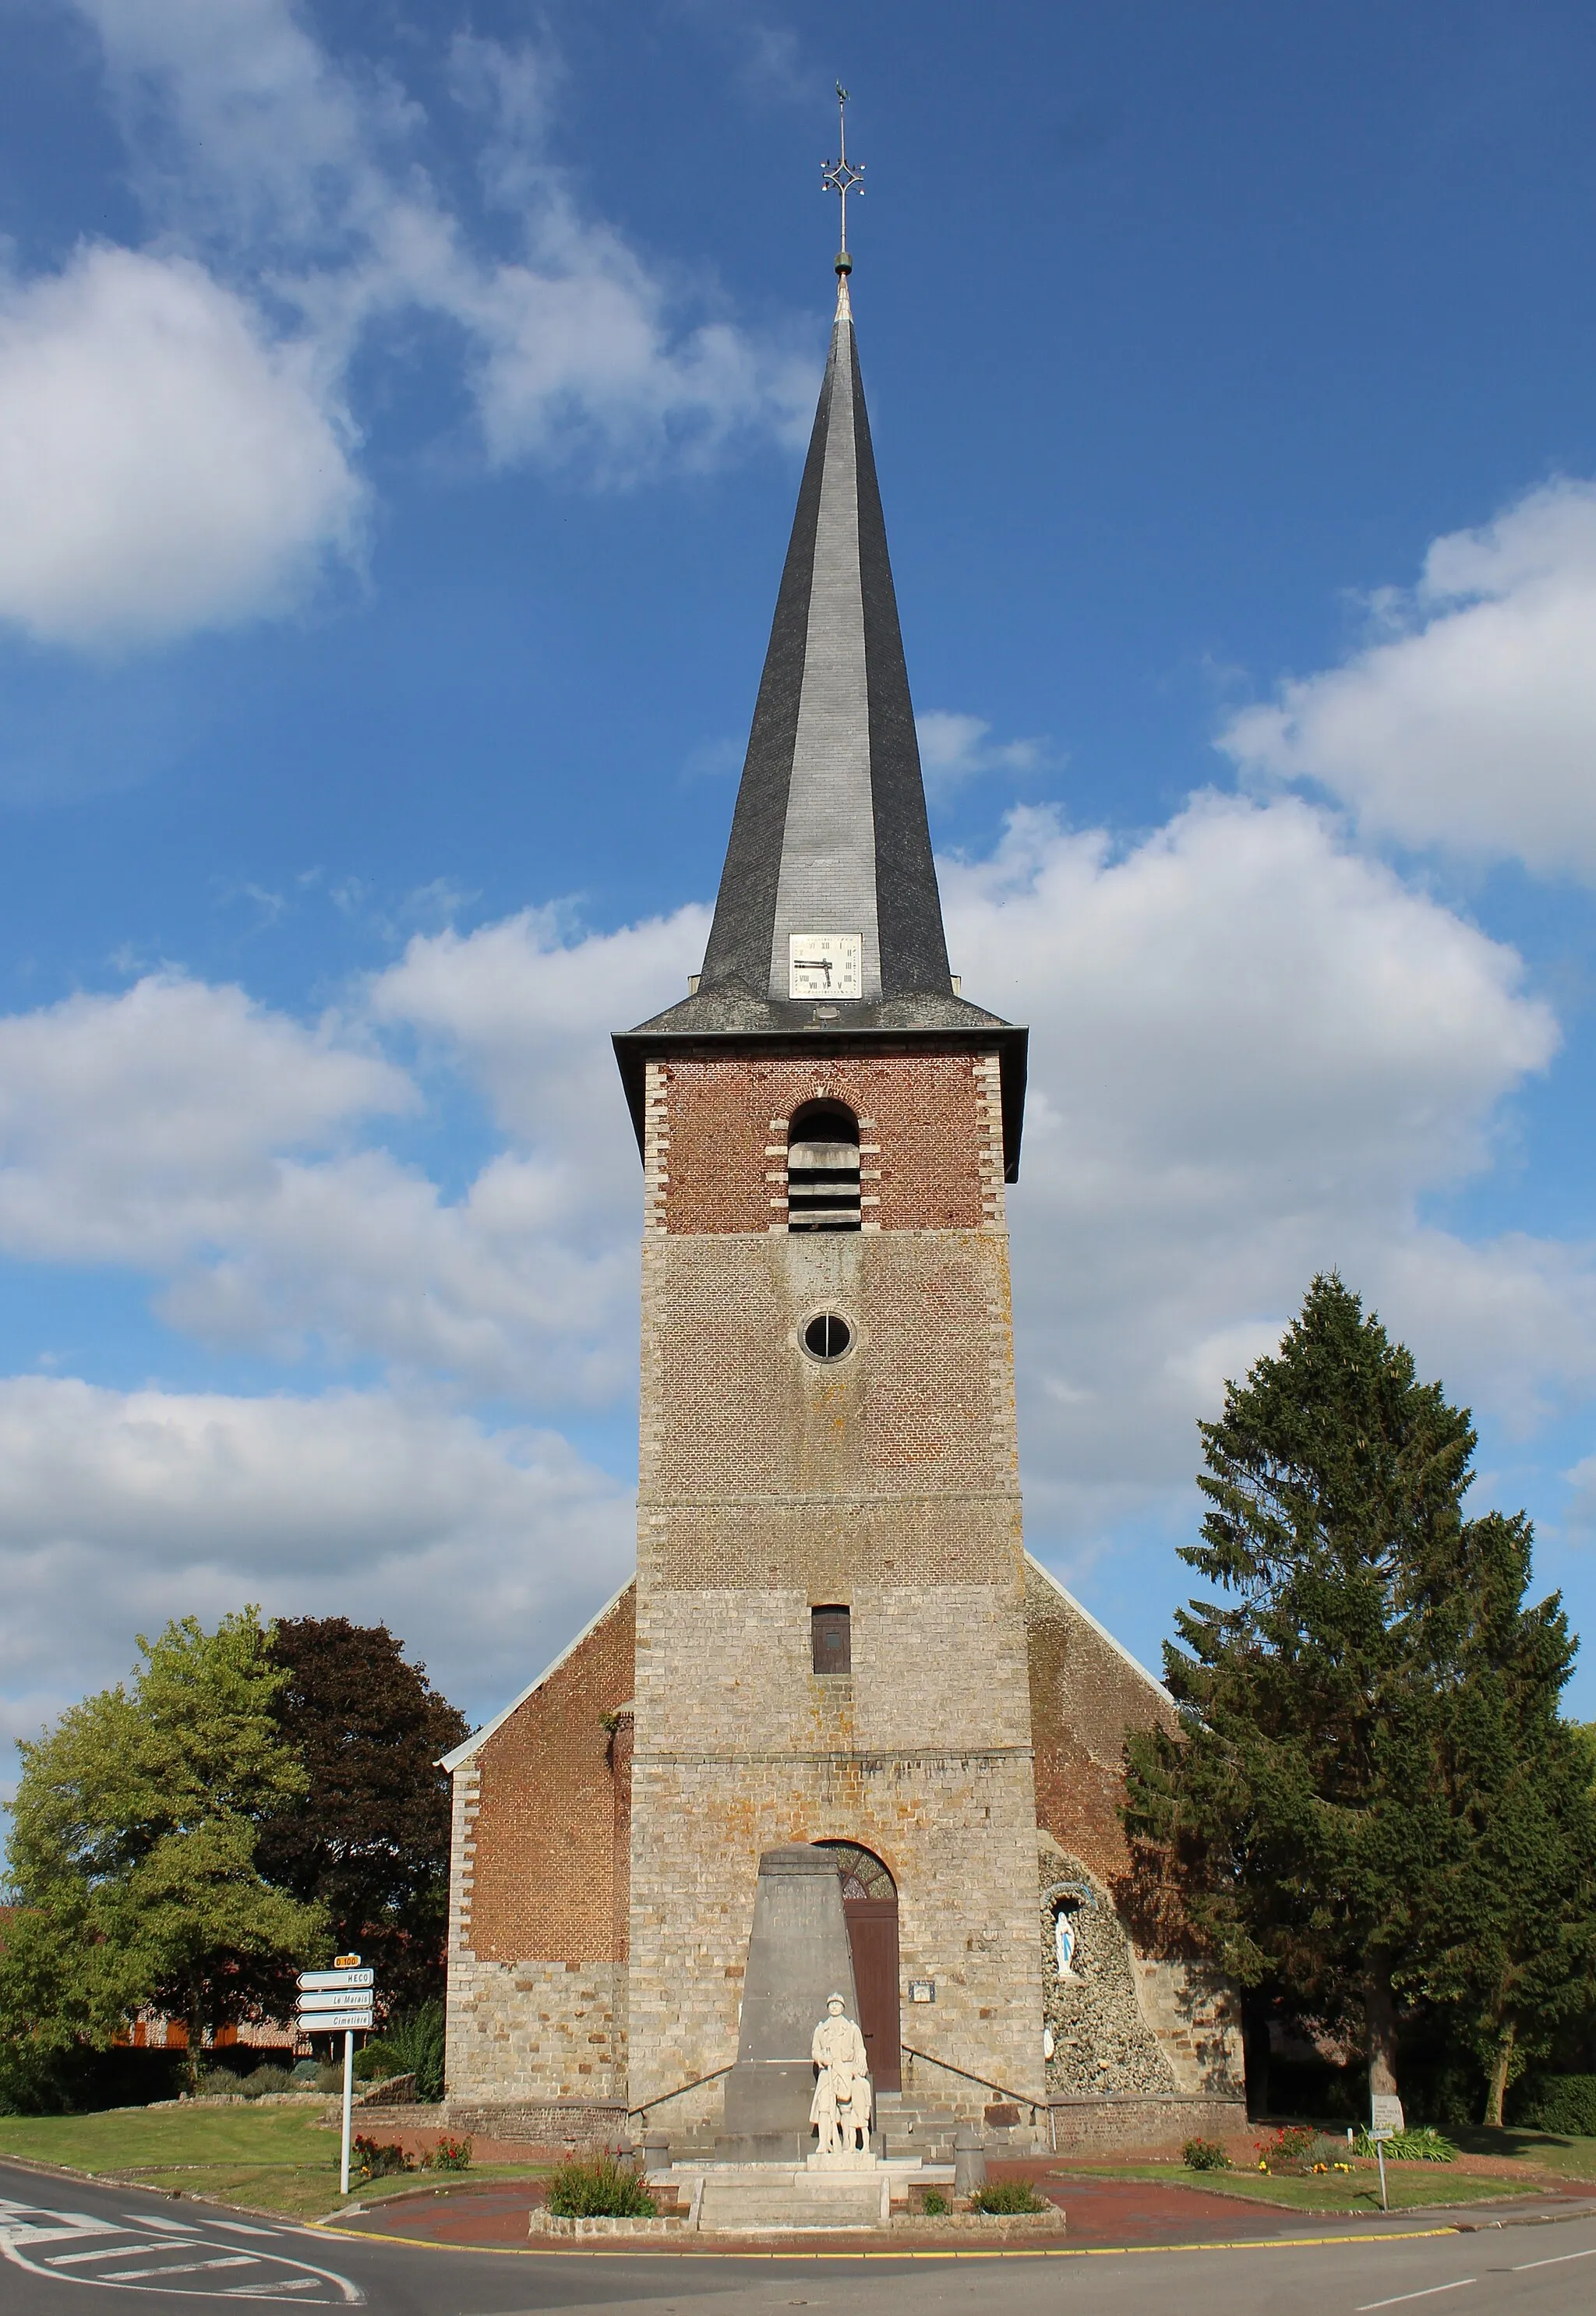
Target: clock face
{"type": "Point", "coordinates": [824, 965]}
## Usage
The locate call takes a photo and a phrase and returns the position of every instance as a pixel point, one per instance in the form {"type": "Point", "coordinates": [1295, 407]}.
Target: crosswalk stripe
{"type": "Point", "coordinates": [179, 2267]}
{"type": "Point", "coordinates": [105, 2251]}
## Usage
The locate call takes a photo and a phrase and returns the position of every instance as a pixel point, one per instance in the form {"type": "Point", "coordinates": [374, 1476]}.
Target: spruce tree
{"type": "Point", "coordinates": [1514, 1942]}
{"type": "Point", "coordinates": [1304, 1812]}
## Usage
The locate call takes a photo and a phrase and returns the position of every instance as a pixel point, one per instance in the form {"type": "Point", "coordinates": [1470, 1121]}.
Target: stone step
{"type": "Point", "coordinates": [786, 2199]}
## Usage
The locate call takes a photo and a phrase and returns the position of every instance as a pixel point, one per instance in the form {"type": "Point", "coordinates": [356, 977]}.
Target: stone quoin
{"type": "Point", "coordinates": [834, 1636]}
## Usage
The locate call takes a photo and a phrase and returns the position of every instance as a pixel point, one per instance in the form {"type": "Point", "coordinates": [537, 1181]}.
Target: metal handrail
{"type": "Point", "coordinates": [1025, 2099]}
{"type": "Point", "coordinates": [680, 2091]}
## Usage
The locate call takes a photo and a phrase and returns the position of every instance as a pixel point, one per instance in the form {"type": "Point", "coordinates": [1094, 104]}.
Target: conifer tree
{"type": "Point", "coordinates": [1514, 1944]}
{"type": "Point", "coordinates": [1325, 1813]}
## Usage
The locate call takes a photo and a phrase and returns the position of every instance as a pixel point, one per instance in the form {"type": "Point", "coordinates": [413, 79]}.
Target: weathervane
{"type": "Point", "coordinates": [842, 177]}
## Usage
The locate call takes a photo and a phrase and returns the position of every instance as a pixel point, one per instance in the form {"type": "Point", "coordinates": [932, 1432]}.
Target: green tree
{"type": "Point", "coordinates": [132, 1851]}
{"type": "Point", "coordinates": [1514, 1945]}
{"type": "Point", "coordinates": [370, 1842]}
{"type": "Point", "coordinates": [1304, 1813]}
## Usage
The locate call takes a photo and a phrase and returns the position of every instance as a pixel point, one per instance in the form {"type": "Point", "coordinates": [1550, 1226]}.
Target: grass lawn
{"type": "Point", "coordinates": [1409, 2186]}
{"type": "Point", "coordinates": [270, 2157]}
{"type": "Point", "coordinates": [1572, 2159]}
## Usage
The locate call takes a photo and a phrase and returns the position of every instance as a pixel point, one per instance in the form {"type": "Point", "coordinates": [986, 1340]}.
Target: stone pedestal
{"type": "Point", "coordinates": [797, 1955]}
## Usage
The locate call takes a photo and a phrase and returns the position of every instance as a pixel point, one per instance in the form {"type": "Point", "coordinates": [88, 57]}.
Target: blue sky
{"type": "Point", "coordinates": [400, 414]}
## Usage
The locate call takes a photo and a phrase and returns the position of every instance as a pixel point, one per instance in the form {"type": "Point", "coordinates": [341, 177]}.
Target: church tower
{"type": "Point", "coordinates": [834, 1635]}
{"type": "Point", "coordinates": [830, 1637]}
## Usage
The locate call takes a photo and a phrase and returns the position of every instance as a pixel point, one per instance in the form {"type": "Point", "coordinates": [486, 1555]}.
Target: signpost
{"type": "Point", "coordinates": [338, 2002]}
{"type": "Point", "coordinates": [1380, 2133]}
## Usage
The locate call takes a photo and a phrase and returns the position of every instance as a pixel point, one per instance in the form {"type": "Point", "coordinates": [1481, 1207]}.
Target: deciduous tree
{"type": "Point", "coordinates": [371, 1840]}
{"type": "Point", "coordinates": [133, 1847]}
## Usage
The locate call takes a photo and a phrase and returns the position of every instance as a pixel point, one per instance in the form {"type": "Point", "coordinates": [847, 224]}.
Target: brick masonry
{"type": "Point", "coordinates": [539, 1884]}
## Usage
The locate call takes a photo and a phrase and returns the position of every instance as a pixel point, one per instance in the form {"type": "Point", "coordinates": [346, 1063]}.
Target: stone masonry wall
{"type": "Point", "coordinates": [539, 1884]}
{"type": "Point", "coordinates": [771, 1482]}
{"type": "Point", "coordinates": [1135, 2024]}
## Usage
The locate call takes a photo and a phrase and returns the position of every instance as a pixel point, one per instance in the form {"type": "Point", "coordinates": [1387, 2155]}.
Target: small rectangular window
{"type": "Point", "coordinates": [831, 1641]}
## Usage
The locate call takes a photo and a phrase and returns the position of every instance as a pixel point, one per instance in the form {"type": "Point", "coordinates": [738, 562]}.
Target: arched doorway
{"type": "Point", "coordinates": [869, 1908]}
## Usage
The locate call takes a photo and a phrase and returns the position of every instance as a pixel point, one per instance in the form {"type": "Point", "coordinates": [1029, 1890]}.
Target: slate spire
{"type": "Point", "coordinates": [830, 834]}
{"type": "Point", "coordinates": [828, 927]}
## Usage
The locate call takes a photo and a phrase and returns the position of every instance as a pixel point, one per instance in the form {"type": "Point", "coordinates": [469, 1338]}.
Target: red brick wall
{"type": "Point", "coordinates": [720, 1137]}
{"type": "Point", "coordinates": [1084, 1696]}
{"type": "Point", "coordinates": [553, 1824]}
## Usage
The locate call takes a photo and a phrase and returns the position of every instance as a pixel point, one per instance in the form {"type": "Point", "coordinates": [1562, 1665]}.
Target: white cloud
{"type": "Point", "coordinates": [184, 1132]}
{"type": "Point", "coordinates": [1470, 722]}
{"type": "Point", "coordinates": [117, 1510]}
{"type": "Point", "coordinates": [175, 443]}
{"type": "Point", "coordinates": [1254, 1054]}
{"type": "Point", "coordinates": [135, 1129]}
{"type": "Point", "coordinates": [956, 748]}
{"type": "Point", "coordinates": [530, 1009]}
{"type": "Point", "coordinates": [164, 465]}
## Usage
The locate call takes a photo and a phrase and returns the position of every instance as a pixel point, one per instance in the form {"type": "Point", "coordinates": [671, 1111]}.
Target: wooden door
{"type": "Point", "coordinates": [872, 1935]}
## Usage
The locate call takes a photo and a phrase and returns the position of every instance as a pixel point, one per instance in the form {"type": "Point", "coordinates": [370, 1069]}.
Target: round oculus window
{"type": "Point", "coordinates": [827, 1336]}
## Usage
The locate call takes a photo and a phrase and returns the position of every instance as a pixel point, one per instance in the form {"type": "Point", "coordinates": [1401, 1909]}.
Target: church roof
{"type": "Point", "coordinates": [830, 848]}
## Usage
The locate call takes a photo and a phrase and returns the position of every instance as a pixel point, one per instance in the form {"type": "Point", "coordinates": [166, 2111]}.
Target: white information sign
{"type": "Point", "coordinates": [824, 965]}
{"type": "Point", "coordinates": [339, 2001]}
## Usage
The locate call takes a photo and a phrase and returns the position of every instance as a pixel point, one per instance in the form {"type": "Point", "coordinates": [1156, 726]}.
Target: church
{"type": "Point", "coordinates": [834, 1635]}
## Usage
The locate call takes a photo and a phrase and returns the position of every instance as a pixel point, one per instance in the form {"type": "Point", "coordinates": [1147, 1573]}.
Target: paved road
{"type": "Point", "coordinates": [69, 2243]}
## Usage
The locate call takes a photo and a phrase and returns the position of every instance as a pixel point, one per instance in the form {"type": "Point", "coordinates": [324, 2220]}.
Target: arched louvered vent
{"type": "Point", "coordinates": [823, 1168]}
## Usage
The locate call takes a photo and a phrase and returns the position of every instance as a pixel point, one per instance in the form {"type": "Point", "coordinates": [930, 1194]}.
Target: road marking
{"type": "Point", "coordinates": [61, 2236]}
{"type": "Point", "coordinates": [177, 2268]}
{"type": "Point", "coordinates": [79, 2243]}
{"type": "Point", "coordinates": [1429, 2292]}
{"type": "Point", "coordinates": [1558, 2260]}
{"type": "Point", "coordinates": [106, 2252]}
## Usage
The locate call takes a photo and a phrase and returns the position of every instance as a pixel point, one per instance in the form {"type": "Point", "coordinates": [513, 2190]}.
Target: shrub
{"type": "Point", "coordinates": [227, 2082]}
{"type": "Point", "coordinates": [265, 2079]}
{"type": "Point", "coordinates": [1204, 2155]}
{"type": "Point", "coordinates": [1292, 2151]}
{"type": "Point", "coordinates": [933, 2202]}
{"type": "Point", "coordinates": [1561, 2103]}
{"type": "Point", "coordinates": [374, 2159]}
{"type": "Point", "coordinates": [449, 2155]}
{"type": "Point", "coordinates": [1007, 2195]}
{"type": "Point", "coordinates": [410, 2045]}
{"type": "Point", "coordinates": [1426, 2145]}
{"type": "Point", "coordinates": [598, 2187]}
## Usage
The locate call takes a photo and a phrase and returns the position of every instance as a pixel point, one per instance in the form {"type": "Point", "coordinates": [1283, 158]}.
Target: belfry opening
{"type": "Point", "coordinates": [823, 1168]}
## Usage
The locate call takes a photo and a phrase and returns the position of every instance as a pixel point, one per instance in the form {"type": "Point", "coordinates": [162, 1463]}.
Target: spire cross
{"type": "Point", "coordinates": [842, 177]}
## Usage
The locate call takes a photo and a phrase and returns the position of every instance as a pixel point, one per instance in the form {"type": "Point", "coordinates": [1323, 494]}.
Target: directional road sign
{"type": "Point", "coordinates": [338, 1998]}
{"type": "Point", "coordinates": [336, 2022]}
{"type": "Point", "coordinates": [320, 1981]}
